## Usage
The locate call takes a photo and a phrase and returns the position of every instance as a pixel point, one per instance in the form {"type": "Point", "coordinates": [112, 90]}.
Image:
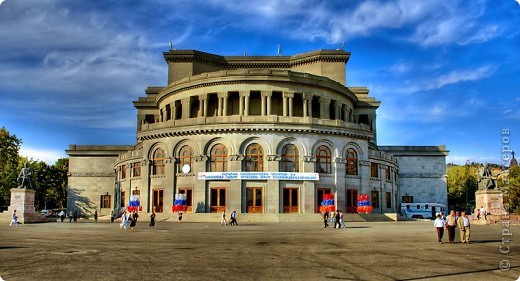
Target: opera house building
{"type": "Point", "coordinates": [262, 135]}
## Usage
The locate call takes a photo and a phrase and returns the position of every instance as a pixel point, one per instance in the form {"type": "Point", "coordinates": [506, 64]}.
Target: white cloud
{"type": "Point", "coordinates": [46, 155]}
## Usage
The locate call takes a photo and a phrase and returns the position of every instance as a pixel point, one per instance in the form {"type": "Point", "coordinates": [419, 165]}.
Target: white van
{"type": "Point", "coordinates": [421, 210]}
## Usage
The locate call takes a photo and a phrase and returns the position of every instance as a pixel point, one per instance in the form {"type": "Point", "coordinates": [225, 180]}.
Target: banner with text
{"type": "Point", "coordinates": [288, 176]}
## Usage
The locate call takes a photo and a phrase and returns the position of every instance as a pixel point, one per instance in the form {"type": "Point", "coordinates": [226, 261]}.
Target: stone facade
{"type": "Point", "coordinates": [284, 114]}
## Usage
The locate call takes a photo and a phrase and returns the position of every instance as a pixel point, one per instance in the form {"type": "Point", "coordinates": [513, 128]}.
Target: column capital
{"type": "Point", "coordinates": [266, 93]}
{"type": "Point", "coordinates": [325, 100]}
{"type": "Point", "coordinates": [223, 94]}
{"type": "Point", "coordinates": [186, 99]}
{"type": "Point", "coordinates": [203, 96]}
{"type": "Point", "coordinates": [244, 93]}
{"type": "Point", "coordinates": [288, 94]}
{"type": "Point", "coordinates": [307, 96]}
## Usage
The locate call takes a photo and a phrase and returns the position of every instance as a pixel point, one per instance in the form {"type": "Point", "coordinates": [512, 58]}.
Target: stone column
{"type": "Point", "coordinates": [324, 107]}
{"type": "Point", "coordinates": [262, 104]}
{"type": "Point", "coordinates": [246, 104]}
{"type": "Point", "coordinates": [199, 188]}
{"type": "Point", "coordinates": [241, 96]}
{"type": "Point", "coordinates": [174, 110]}
{"type": "Point", "coordinates": [203, 105]}
{"type": "Point", "coordinates": [285, 107]}
{"type": "Point", "coordinates": [287, 103]}
{"type": "Point", "coordinates": [185, 108]}
{"type": "Point", "coordinates": [222, 103]}
{"type": "Point", "coordinates": [307, 105]}
{"type": "Point", "coordinates": [269, 95]}
{"type": "Point", "coordinates": [337, 110]}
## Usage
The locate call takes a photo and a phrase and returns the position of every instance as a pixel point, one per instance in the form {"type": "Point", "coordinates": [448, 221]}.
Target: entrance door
{"type": "Point", "coordinates": [189, 196]}
{"type": "Point", "coordinates": [352, 195]}
{"type": "Point", "coordinates": [319, 197]}
{"type": "Point", "coordinates": [290, 200]}
{"type": "Point", "coordinates": [158, 203]}
{"type": "Point", "coordinates": [218, 200]}
{"type": "Point", "coordinates": [254, 200]}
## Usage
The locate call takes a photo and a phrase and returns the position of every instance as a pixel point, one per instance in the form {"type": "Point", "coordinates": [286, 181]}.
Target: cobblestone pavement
{"type": "Point", "coordinates": [254, 251]}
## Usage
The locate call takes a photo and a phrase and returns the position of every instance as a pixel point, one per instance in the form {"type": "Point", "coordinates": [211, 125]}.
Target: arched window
{"type": "Point", "coordinates": [352, 162]}
{"type": "Point", "coordinates": [218, 158]}
{"type": "Point", "coordinates": [158, 162]}
{"type": "Point", "coordinates": [254, 161]}
{"type": "Point", "coordinates": [185, 157]}
{"type": "Point", "coordinates": [290, 159]}
{"type": "Point", "coordinates": [323, 160]}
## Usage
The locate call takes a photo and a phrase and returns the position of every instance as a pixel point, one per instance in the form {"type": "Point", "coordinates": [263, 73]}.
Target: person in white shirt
{"type": "Point", "coordinates": [14, 219]}
{"type": "Point", "coordinates": [223, 221]}
{"type": "Point", "coordinates": [463, 225]}
{"type": "Point", "coordinates": [438, 225]}
{"type": "Point", "coordinates": [124, 220]}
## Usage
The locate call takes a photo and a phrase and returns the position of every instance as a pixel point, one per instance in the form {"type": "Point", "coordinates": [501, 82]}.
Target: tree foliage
{"type": "Point", "coordinates": [513, 189]}
{"type": "Point", "coordinates": [48, 181]}
{"type": "Point", "coordinates": [462, 185]}
{"type": "Point", "coordinates": [9, 147]}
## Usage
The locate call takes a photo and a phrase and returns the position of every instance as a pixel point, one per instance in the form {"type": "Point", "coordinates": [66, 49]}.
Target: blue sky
{"type": "Point", "coordinates": [446, 72]}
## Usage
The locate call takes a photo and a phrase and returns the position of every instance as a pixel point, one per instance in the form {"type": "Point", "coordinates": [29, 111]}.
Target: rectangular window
{"type": "Point", "coordinates": [137, 169]}
{"type": "Point", "coordinates": [136, 192]}
{"type": "Point", "coordinates": [407, 199]}
{"type": "Point", "coordinates": [374, 170]}
{"type": "Point", "coordinates": [375, 199]}
{"type": "Point", "coordinates": [388, 200]}
{"type": "Point", "coordinates": [105, 201]}
{"type": "Point", "coordinates": [387, 173]}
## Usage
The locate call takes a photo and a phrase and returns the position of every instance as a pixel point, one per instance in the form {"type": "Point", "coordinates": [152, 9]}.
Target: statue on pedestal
{"type": "Point", "coordinates": [24, 178]}
{"type": "Point", "coordinates": [485, 178]}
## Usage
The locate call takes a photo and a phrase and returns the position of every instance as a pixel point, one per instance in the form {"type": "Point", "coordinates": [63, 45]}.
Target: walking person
{"type": "Point", "coordinates": [62, 215]}
{"type": "Point", "coordinates": [75, 215]}
{"type": "Point", "coordinates": [95, 216]}
{"type": "Point", "coordinates": [439, 225]}
{"type": "Point", "coordinates": [341, 220]}
{"type": "Point", "coordinates": [336, 219]}
{"type": "Point", "coordinates": [71, 215]}
{"type": "Point", "coordinates": [124, 220]}
{"type": "Point", "coordinates": [152, 219]}
{"type": "Point", "coordinates": [133, 220]}
{"type": "Point", "coordinates": [451, 224]}
{"type": "Point", "coordinates": [223, 221]}
{"type": "Point", "coordinates": [14, 219]}
{"type": "Point", "coordinates": [325, 219]}
{"type": "Point", "coordinates": [233, 218]}
{"type": "Point", "coordinates": [180, 216]}
{"type": "Point", "coordinates": [463, 225]}
{"type": "Point", "coordinates": [112, 216]}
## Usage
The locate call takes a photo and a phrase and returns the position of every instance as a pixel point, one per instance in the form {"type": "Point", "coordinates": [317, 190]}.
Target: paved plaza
{"type": "Point", "coordinates": [253, 251]}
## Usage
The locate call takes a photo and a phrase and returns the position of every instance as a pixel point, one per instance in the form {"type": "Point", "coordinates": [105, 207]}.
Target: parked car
{"type": "Point", "coordinates": [46, 213]}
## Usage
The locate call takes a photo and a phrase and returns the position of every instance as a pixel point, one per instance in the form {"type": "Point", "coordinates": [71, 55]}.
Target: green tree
{"type": "Point", "coordinates": [9, 147]}
{"type": "Point", "coordinates": [512, 189]}
{"type": "Point", "coordinates": [462, 185]}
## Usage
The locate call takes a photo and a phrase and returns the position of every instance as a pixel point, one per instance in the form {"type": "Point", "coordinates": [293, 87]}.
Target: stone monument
{"type": "Point", "coordinates": [488, 196]}
{"type": "Point", "coordinates": [22, 199]}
